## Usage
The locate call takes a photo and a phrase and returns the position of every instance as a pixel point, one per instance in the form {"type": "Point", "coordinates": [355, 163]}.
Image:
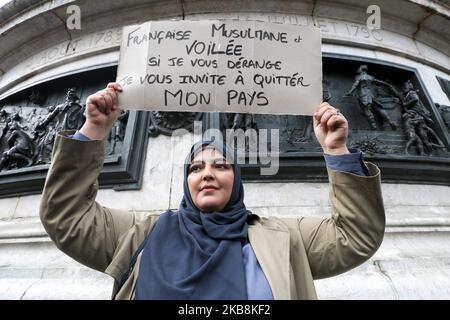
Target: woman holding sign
{"type": "Point", "coordinates": [212, 247]}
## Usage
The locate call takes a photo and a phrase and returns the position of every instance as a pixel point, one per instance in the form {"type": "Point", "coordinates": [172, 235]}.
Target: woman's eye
{"type": "Point", "coordinates": [222, 166]}
{"type": "Point", "coordinates": [194, 169]}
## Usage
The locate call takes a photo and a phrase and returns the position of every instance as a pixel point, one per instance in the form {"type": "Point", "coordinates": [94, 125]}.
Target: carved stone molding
{"type": "Point", "coordinates": [391, 119]}
{"type": "Point", "coordinates": [30, 121]}
{"type": "Point", "coordinates": [445, 114]}
{"type": "Point", "coordinates": [167, 122]}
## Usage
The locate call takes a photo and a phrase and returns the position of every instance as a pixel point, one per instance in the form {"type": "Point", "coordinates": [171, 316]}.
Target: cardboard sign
{"type": "Point", "coordinates": [221, 66]}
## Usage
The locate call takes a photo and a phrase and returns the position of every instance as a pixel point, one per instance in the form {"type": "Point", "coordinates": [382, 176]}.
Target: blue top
{"type": "Point", "coordinates": [256, 282]}
{"type": "Point", "coordinates": [352, 162]}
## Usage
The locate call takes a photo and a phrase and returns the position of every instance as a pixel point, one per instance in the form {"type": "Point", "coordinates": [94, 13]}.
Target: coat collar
{"type": "Point", "coordinates": [271, 247]}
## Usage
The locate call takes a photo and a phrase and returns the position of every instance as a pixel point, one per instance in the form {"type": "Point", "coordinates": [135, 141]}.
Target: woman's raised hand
{"type": "Point", "coordinates": [102, 110]}
{"type": "Point", "coordinates": [331, 129]}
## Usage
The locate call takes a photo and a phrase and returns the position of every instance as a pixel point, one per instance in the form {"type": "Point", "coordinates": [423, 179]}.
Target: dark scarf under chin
{"type": "Point", "coordinates": [195, 255]}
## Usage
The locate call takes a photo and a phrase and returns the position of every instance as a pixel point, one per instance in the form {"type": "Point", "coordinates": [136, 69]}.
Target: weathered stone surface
{"type": "Point", "coordinates": [286, 194]}
{"type": "Point", "coordinates": [37, 270]}
{"type": "Point", "coordinates": [28, 206]}
{"type": "Point", "coordinates": [155, 191]}
{"type": "Point", "coordinates": [7, 207]}
{"type": "Point", "coordinates": [25, 52]}
{"type": "Point", "coordinates": [407, 266]}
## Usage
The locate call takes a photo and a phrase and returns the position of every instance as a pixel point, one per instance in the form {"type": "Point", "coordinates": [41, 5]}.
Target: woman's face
{"type": "Point", "coordinates": [210, 180]}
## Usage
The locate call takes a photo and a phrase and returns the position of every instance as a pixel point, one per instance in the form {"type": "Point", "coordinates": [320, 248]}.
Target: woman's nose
{"type": "Point", "coordinates": [208, 173]}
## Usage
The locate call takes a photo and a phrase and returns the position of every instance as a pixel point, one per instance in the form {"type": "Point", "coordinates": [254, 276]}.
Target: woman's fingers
{"type": "Point", "coordinates": [110, 97]}
{"type": "Point", "coordinates": [102, 110]}
{"type": "Point", "coordinates": [96, 102]}
{"type": "Point", "coordinates": [318, 112]}
{"type": "Point", "coordinates": [114, 85]}
{"type": "Point", "coordinates": [108, 102]}
{"type": "Point", "coordinates": [326, 116]}
{"type": "Point", "coordinates": [113, 88]}
{"type": "Point", "coordinates": [336, 121]}
{"type": "Point", "coordinates": [321, 105]}
{"type": "Point", "coordinates": [323, 114]}
{"type": "Point", "coordinates": [104, 101]}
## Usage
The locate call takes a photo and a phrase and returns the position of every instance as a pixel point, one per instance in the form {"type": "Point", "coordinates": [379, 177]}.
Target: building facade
{"type": "Point", "coordinates": [47, 70]}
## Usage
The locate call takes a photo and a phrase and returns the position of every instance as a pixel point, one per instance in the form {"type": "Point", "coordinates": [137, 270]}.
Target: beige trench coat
{"type": "Point", "coordinates": [291, 252]}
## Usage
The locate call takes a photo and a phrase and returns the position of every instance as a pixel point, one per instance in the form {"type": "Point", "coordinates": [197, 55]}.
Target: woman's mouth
{"type": "Point", "coordinates": [209, 189]}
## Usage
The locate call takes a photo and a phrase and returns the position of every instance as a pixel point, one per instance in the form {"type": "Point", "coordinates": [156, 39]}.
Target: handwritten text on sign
{"type": "Point", "coordinates": [226, 66]}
